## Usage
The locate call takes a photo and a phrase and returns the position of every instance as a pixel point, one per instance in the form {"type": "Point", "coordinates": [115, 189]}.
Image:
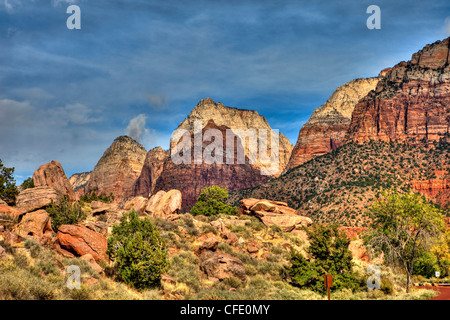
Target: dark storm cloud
{"type": "Point", "coordinates": [66, 94]}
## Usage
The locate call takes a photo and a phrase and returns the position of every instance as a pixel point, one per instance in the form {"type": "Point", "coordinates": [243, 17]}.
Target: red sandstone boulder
{"type": "Point", "coordinates": [35, 225]}
{"type": "Point", "coordinates": [164, 203]}
{"type": "Point", "coordinates": [138, 204]}
{"type": "Point", "coordinates": [275, 213]}
{"type": "Point", "coordinates": [220, 266]}
{"type": "Point", "coordinates": [206, 242]}
{"type": "Point", "coordinates": [77, 240]}
{"type": "Point", "coordinates": [9, 211]}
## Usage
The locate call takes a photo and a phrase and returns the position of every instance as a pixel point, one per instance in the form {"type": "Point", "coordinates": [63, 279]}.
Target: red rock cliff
{"type": "Point", "coordinates": [412, 101]}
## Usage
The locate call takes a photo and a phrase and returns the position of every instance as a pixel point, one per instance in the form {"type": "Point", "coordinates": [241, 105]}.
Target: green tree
{"type": "Point", "coordinates": [328, 253]}
{"type": "Point", "coordinates": [65, 213]}
{"type": "Point", "coordinates": [8, 189]}
{"type": "Point", "coordinates": [138, 251]}
{"type": "Point", "coordinates": [211, 201]}
{"type": "Point", "coordinates": [27, 183]}
{"type": "Point", "coordinates": [402, 227]}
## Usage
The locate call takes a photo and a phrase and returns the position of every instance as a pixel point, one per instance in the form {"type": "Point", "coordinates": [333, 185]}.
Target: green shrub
{"type": "Point", "coordinates": [386, 286]}
{"type": "Point", "coordinates": [65, 213]}
{"type": "Point", "coordinates": [212, 201]}
{"type": "Point", "coordinates": [89, 197]}
{"type": "Point", "coordinates": [328, 254]}
{"type": "Point", "coordinates": [426, 264]}
{"type": "Point", "coordinates": [138, 251]}
{"type": "Point", "coordinates": [8, 189]}
{"type": "Point", "coordinates": [34, 247]}
{"type": "Point", "coordinates": [27, 184]}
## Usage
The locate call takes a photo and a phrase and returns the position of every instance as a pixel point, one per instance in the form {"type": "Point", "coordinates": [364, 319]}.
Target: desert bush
{"type": "Point", "coordinates": [212, 201]}
{"type": "Point", "coordinates": [27, 184]}
{"type": "Point", "coordinates": [65, 213]}
{"type": "Point", "coordinates": [328, 254]}
{"type": "Point", "coordinates": [138, 251]}
{"type": "Point", "coordinates": [8, 189]}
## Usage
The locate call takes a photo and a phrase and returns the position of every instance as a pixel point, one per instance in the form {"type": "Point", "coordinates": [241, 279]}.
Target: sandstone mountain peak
{"type": "Point", "coordinates": [234, 118]}
{"type": "Point", "coordinates": [52, 175]}
{"type": "Point", "coordinates": [118, 168]}
{"type": "Point", "coordinates": [328, 125]}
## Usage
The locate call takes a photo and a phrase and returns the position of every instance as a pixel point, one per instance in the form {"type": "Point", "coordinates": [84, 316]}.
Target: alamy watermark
{"type": "Point", "coordinates": [74, 280]}
{"type": "Point", "coordinates": [240, 145]}
{"type": "Point", "coordinates": [374, 281]}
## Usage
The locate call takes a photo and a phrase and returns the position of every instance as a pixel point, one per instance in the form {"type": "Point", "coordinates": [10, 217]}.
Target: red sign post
{"type": "Point", "coordinates": [328, 278]}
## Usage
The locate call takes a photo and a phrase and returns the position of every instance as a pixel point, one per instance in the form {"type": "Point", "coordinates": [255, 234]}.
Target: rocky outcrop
{"type": "Point", "coordinates": [52, 175]}
{"type": "Point", "coordinates": [78, 181]}
{"type": "Point", "coordinates": [37, 198]}
{"type": "Point", "coordinates": [77, 240]}
{"type": "Point", "coordinates": [437, 189]}
{"type": "Point", "coordinates": [275, 213]}
{"type": "Point", "coordinates": [118, 169]}
{"type": "Point", "coordinates": [327, 128]}
{"type": "Point", "coordinates": [411, 101]}
{"type": "Point", "coordinates": [206, 242]}
{"type": "Point", "coordinates": [10, 211]}
{"type": "Point", "coordinates": [163, 204]}
{"type": "Point", "coordinates": [153, 166]}
{"type": "Point", "coordinates": [36, 225]}
{"type": "Point", "coordinates": [137, 204]}
{"type": "Point", "coordinates": [218, 265]}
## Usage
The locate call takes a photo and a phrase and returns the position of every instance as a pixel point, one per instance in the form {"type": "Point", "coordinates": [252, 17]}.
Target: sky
{"type": "Point", "coordinates": [138, 67]}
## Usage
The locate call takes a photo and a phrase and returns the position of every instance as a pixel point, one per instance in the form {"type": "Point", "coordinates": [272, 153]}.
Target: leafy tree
{"type": "Point", "coordinates": [65, 213]}
{"type": "Point", "coordinates": [442, 254]}
{"type": "Point", "coordinates": [8, 189]}
{"type": "Point", "coordinates": [402, 227]}
{"type": "Point", "coordinates": [139, 251]}
{"type": "Point", "coordinates": [211, 201]}
{"type": "Point", "coordinates": [27, 183]}
{"type": "Point", "coordinates": [425, 264]}
{"type": "Point", "coordinates": [328, 253]}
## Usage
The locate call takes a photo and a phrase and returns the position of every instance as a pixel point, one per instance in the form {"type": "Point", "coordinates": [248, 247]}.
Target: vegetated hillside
{"type": "Point", "coordinates": [340, 186]}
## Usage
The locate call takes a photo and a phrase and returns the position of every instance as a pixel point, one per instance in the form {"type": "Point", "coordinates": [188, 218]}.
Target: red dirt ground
{"type": "Point", "coordinates": [445, 292]}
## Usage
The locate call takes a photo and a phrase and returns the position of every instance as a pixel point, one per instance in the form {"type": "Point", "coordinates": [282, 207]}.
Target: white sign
{"type": "Point", "coordinates": [437, 274]}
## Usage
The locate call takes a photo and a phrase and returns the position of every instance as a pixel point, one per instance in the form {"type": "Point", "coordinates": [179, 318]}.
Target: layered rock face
{"type": "Point", "coordinates": [52, 175]}
{"type": "Point", "coordinates": [235, 119]}
{"type": "Point", "coordinates": [153, 166]}
{"type": "Point", "coordinates": [118, 169]}
{"type": "Point", "coordinates": [78, 181]}
{"type": "Point", "coordinates": [328, 125]}
{"type": "Point", "coordinates": [37, 198]}
{"type": "Point", "coordinates": [412, 101]}
{"type": "Point", "coordinates": [191, 178]}
{"type": "Point", "coordinates": [437, 189]}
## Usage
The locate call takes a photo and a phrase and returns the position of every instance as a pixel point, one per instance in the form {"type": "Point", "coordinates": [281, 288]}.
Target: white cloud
{"type": "Point", "coordinates": [136, 127]}
{"type": "Point", "coordinates": [11, 5]}
{"type": "Point", "coordinates": [447, 25]}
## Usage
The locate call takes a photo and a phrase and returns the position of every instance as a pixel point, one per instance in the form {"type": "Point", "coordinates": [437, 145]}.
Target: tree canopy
{"type": "Point", "coordinates": [403, 225]}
